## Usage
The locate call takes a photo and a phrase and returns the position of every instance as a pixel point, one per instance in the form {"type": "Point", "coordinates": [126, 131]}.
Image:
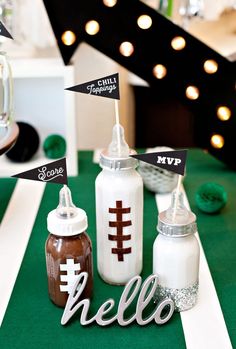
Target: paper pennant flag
{"type": "Point", "coordinates": [54, 172]}
{"type": "Point", "coordinates": [4, 31]}
{"type": "Point", "coordinates": [103, 87]}
{"type": "Point", "coordinates": [169, 160]}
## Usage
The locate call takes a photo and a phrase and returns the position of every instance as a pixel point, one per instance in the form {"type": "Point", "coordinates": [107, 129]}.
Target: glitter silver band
{"type": "Point", "coordinates": [184, 298]}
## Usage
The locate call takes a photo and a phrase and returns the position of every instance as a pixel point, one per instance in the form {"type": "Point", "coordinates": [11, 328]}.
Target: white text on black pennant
{"type": "Point", "coordinates": [103, 87]}
{"type": "Point", "coordinates": [54, 172]}
{"type": "Point", "coordinates": [169, 160]}
{"type": "Point", "coordinates": [4, 31]}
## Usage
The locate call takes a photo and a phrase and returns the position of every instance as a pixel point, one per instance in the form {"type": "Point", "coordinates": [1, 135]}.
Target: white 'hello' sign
{"type": "Point", "coordinates": [129, 293]}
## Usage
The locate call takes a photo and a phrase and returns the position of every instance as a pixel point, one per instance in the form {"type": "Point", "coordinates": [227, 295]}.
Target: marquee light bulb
{"type": "Point", "coordinates": [92, 27]}
{"type": "Point", "coordinates": [144, 21]}
{"type": "Point", "coordinates": [223, 113]}
{"type": "Point", "coordinates": [217, 141]}
{"type": "Point", "coordinates": [68, 38]}
{"type": "Point", "coordinates": [210, 66]}
{"type": "Point", "coordinates": [159, 71]}
{"type": "Point", "coordinates": [126, 48]}
{"type": "Point", "coordinates": [109, 3]}
{"type": "Point", "coordinates": [192, 92]}
{"type": "Point", "coordinates": [178, 43]}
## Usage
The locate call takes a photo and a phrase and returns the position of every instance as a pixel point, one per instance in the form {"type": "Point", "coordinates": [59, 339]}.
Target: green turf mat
{"type": "Point", "coordinates": [32, 321]}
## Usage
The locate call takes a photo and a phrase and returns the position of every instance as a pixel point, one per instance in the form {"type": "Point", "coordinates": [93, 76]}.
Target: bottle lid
{"type": "Point", "coordinates": [116, 157]}
{"type": "Point", "coordinates": [66, 219]}
{"type": "Point", "coordinates": [116, 164]}
{"type": "Point", "coordinates": [177, 220]}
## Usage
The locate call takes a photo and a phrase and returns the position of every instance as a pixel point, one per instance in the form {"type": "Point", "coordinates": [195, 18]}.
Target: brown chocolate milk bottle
{"type": "Point", "coordinates": [68, 249]}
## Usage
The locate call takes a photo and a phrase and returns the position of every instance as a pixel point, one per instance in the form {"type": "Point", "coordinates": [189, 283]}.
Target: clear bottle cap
{"type": "Point", "coordinates": [66, 219]}
{"type": "Point", "coordinates": [66, 209]}
{"type": "Point", "coordinates": [118, 147]}
{"type": "Point", "coordinates": [116, 157]}
{"type": "Point", "coordinates": [177, 220]}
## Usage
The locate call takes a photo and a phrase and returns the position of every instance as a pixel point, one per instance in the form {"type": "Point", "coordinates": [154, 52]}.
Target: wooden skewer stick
{"type": "Point", "coordinates": [118, 124]}
{"type": "Point", "coordinates": [177, 196]}
{"type": "Point", "coordinates": [67, 200]}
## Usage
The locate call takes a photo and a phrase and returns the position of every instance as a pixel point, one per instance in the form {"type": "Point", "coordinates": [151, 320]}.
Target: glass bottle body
{"type": "Point", "coordinates": [119, 216]}
{"type": "Point", "coordinates": [66, 257]}
{"type": "Point", "coordinates": [6, 91]}
{"type": "Point", "coordinates": [176, 262]}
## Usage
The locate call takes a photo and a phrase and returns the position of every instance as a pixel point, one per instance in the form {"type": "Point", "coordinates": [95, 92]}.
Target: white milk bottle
{"type": "Point", "coordinates": [176, 255]}
{"type": "Point", "coordinates": [119, 213]}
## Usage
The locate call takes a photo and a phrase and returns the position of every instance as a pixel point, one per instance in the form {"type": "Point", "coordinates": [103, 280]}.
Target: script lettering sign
{"type": "Point", "coordinates": [54, 172]}
{"type": "Point", "coordinates": [129, 293]}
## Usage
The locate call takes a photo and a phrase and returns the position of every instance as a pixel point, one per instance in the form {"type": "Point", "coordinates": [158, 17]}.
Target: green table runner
{"type": "Point", "coordinates": [32, 321]}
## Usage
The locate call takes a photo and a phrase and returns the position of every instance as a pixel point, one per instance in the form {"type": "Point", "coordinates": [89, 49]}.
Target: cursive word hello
{"type": "Point", "coordinates": [46, 175]}
{"type": "Point", "coordinates": [130, 291]}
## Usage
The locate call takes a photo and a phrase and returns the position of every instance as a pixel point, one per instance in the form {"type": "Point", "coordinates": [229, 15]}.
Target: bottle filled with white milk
{"type": "Point", "coordinates": [176, 255]}
{"type": "Point", "coordinates": [119, 213]}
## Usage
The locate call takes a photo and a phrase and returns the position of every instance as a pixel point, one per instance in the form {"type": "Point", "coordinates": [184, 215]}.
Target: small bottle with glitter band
{"type": "Point", "coordinates": [176, 255]}
{"type": "Point", "coordinates": [68, 249]}
{"type": "Point", "coordinates": [119, 213]}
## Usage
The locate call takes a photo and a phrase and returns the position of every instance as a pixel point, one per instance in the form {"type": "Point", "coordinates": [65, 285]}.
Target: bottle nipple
{"type": "Point", "coordinates": [118, 147]}
{"type": "Point", "coordinates": [66, 209]}
{"type": "Point", "coordinates": [177, 212]}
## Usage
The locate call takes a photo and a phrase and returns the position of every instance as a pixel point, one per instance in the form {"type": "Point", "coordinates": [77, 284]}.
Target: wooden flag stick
{"type": "Point", "coordinates": [118, 126]}
{"type": "Point", "coordinates": [67, 200]}
{"type": "Point", "coordinates": [177, 196]}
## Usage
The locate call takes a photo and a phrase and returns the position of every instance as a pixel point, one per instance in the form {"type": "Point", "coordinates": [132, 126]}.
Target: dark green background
{"type": "Point", "coordinates": [32, 321]}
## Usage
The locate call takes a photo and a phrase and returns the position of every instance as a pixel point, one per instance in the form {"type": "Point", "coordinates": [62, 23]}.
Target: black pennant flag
{"type": "Point", "coordinates": [103, 87]}
{"type": "Point", "coordinates": [54, 172]}
{"type": "Point", "coordinates": [4, 31]}
{"type": "Point", "coordinates": [169, 160]}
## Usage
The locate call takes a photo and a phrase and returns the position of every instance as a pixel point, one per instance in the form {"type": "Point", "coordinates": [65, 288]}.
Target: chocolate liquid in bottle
{"type": "Point", "coordinates": [68, 249]}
